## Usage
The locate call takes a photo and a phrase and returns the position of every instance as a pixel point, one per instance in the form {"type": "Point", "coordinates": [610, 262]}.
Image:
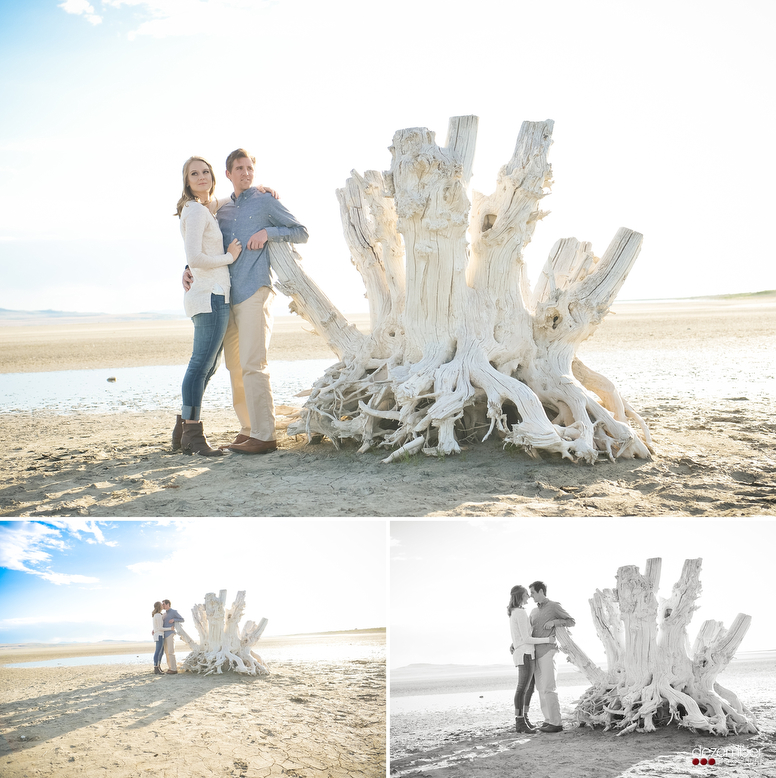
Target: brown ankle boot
{"type": "Point", "coordinates": [193, 441]}
{"type": "Point", "coordinates": [520, 726]}
{"type": "Point", "coordinates": [177, 432]}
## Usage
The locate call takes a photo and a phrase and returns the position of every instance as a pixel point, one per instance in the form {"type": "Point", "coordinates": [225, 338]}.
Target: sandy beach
{"type": "Point", "coordinates": [463, 742]}
{"type": "Point", "coordinates": [700, 372]}
{"type": "Point", "coordinates": [306, 719]}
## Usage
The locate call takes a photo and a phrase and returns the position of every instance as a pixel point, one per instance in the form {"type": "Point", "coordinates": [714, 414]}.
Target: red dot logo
{"type": "Point", "coordinates": [712, 761]}
{"type": "Point", "coordinates": [696, 761]}
{"type": "Point", "coordinates": [703, 761]}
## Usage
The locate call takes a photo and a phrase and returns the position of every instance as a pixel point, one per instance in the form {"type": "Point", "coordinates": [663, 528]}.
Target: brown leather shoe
{"type": "Point", "coordinates": [171, 672]}
{"type": "Point", "coordinates": [239, 439]}
{"type": "Point", "coordinates": [177, 432]}
{"type": "Point", "coordinates": [254, 446]}
{"type": "Point", "coordinates": [193, 441]}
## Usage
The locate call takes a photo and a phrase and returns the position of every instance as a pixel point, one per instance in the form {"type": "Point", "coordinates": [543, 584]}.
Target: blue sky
{"type": "Point", "coordinates": [78, 580]}
{"type": "Point", "coordinates": [662, 115]}
{"type": "Point", "coordinates": [450, 581]}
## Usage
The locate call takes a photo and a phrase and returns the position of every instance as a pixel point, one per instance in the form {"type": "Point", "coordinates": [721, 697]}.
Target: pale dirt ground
{"type": "Point", "coordinates": [712, 459]}
{"type": "Point", "coordinates": [311, 720]}
{"type": "Point", "coordinates": [459, 751]}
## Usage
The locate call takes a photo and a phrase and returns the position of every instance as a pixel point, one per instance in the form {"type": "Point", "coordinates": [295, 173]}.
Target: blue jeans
{"type": "Point", "coordinates": [159, 651]}
{"type": "Point", "coordinates": [525, 685]}
{"type": "Point", "coordinates": [209, 330]}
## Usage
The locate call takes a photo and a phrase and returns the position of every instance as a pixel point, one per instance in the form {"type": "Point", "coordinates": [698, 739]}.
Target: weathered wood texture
{"type": "Point", "coordinates": [651, 679]}
{"type": "Point", "coordinates": [460, 347]}
{"type": "Point", "coordinates": [222, 644]}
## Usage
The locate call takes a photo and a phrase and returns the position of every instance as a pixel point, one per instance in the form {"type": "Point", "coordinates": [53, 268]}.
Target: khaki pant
{"type": "Point", "coordinates": [545, 684]}
{"type": "Point", "coordinates": [245, 352]}
{"type": "Point", "coordinates": [169, 651]}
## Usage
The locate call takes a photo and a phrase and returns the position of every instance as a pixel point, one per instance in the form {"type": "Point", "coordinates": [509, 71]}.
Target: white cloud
{"type": "Point", "coordinates": [78, 527]}
{"type": "Point", "coordinates": [27, 547]}
{"type": "Point", "coordinates": [175, 18]}
{"type": "Point", "coordinates": [81, 8]}
{"type": "Point", "coordinates": [63, 578]}
{"type": "Point", "coordinates": [26, 621]}
{"type": "Point", "coordinates": [23, 545]}
{"type": "Point", "coordinates": [144, 568]}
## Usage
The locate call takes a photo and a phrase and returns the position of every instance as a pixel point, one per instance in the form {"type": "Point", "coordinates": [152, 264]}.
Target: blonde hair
{"type": "Point", "coordinates": [157, 608]}
{"type": "Point", "coordinates": [188, 195]}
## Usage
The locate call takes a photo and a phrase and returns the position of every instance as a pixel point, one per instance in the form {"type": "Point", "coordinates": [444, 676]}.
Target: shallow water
{"type": "Point", "coordinates": [467, 704]}
{"type": "Point", "coordinates": [81, 661]}
{"type": "Point", "coordinates": [140, 388]}
{"type": "Point", "coordinates": [693, 373]}
{"type": "Point", "coordinates": [330, 651]}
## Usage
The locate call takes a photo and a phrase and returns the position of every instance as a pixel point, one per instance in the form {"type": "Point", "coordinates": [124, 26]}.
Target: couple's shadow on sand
{"type": "Point", "coordinates": [135, 701]}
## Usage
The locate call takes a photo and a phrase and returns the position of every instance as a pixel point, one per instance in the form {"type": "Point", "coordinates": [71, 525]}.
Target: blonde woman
{"type": "Point", "coordinates": [206, 301]}
{"type": "Point", "coordinates": [158, 633]}
{"type": "Point", "coordinates": [522, 655]}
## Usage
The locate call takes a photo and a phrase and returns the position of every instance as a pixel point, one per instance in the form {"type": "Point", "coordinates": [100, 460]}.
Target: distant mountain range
{"type": "Point", "coordinates": [21, 317]}
{"type": "Point", "coordinates": [7, 315]}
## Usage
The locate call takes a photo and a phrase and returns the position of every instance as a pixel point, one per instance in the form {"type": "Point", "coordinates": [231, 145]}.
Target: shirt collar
{"type": "Point", "coordinates": [250, 190]}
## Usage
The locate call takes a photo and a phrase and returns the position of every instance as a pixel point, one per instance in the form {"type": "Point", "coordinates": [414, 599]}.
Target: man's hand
{"type": "Point", "coordinates": [257, 240]}
{"type": "Point", "coordinates": [512, 648]}
{"type": "Point", "coordinates": [187, 280]}
{"type": "Point", "coordinates": [264, 189]}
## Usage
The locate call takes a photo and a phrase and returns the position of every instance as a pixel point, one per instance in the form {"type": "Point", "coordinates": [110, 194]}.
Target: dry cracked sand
{"type": "Point", "coordinates": [305, 720]}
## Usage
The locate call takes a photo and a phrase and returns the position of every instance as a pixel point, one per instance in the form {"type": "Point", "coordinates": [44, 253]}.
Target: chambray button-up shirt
{"type": "Point", "coordinates": [549, 610]}
{"type": "Point", "coordinates": [244, 216]}
{"type": "Point", "coordinates": [171, 617]}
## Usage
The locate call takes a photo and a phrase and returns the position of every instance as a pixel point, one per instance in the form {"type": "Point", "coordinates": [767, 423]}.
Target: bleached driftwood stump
{"type": "Point", "coordinates": [222, 645]}
{"type": "Point", "coordinates": [460, 347]}
{"type": "Point", "coordinates": [652, 678]}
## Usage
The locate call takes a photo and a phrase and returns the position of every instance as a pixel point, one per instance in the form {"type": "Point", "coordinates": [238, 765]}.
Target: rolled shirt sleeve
{"type": "Point", "coordinates": [242, 218]}
{"type": "Point", "coordinates": [549, 611]}
{"type": "Point", "coordinates": [285, 228]}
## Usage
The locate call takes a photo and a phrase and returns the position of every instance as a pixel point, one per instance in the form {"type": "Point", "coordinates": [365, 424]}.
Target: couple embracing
{"type": "Point", "coordinates": [164, 618]}
{"type": "Point", "coordinates": [533, 652]}
{"type": "Point", "coordinates": [228, 297]}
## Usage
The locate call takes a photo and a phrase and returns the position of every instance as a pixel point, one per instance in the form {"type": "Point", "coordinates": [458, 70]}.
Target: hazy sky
{"type": "Point", "coordinates": [662, 109]}
{"type": "Point", "coordinates": [77, 580]}
{"type": "Point", "coordinates": [450, 580]}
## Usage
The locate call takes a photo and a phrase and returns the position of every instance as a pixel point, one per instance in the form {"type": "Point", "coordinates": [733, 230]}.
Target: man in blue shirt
{"type": "Point", "coordinates": [547, 615]}
{"type": "Point", "coordinates": [255, 219]}
{"type": "Point", "coordinates": [170, 618]}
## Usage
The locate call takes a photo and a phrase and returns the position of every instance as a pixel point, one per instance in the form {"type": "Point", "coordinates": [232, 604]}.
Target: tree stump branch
{"type": "Point", "coordinates": [222, 645]}
{"type": "Point", "coordinates": [652, 677]}
{"type": "Point", "coordinates": [460, 347]}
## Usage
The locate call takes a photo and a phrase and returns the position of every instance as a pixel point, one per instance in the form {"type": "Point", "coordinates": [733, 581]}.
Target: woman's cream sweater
{"type": "Point", "coordinates": [205, 256]}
